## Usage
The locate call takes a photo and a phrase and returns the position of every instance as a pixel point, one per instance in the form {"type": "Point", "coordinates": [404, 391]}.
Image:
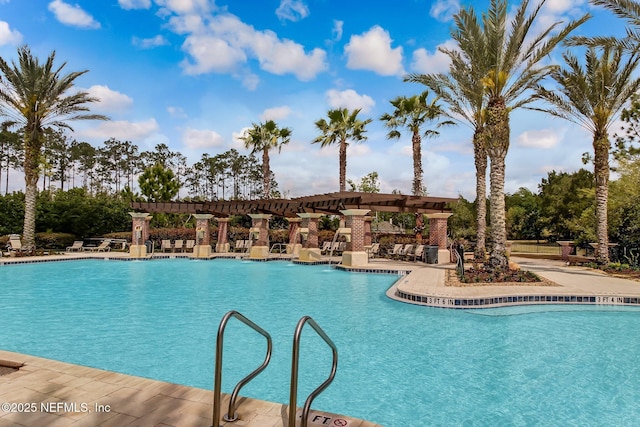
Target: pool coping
{"type": "Point", "coordinates": [53, 393]}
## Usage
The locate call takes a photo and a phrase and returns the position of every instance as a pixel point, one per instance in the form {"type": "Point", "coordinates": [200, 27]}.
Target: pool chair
{"type": "Point", "coordinates": [189, 245]}
{"type": "Point", "coordinates": [178, 246]}
{"type": "Point", "coordinates": [14, 247]}
{"type": "Point", "coordinates": [76, 247]}
{"type": "Point", "coordinates": [417, 253]}
{"type": "Point", "coordinates": [406, 251]}
{"type": "Point", "coordinates": [395, 252]}
{"type": "Point", "coordinates": [102, 247]}
{"type": "Point", "coordinates": [239, 246]}
{"type": "Point", "coordinates": [326, 247]}
{"type": "Point", "coordinates": [166, 246]}
{"type": "Point", "coordinates": [373, 250]}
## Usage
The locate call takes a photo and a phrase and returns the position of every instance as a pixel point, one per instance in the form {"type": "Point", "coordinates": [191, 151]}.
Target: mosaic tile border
{"type": "Point", "coordinates": [502, 301]}
{"type": "Point", "coordinates": [392, 271]}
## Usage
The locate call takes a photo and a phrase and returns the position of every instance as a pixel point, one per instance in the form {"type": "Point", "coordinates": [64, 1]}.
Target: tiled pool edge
{"type": "Point", "coordinates": [513, 300]}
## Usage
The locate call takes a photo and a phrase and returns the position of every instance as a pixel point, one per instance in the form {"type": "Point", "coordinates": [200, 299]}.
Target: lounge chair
{"type": "Point", "coordinates": [178, 246]}
{"type": "Point", "coordinates": [76, 247]}
{"type": "Point", "coordinates": [373, 250]}
{"type": "Point", "coordinates": [102, 247]}
{"type": "Point", "coordinates": [166, 246]}
{"type": "Point", "coordinates": [239, 246]}
{"type": "Point", "coordinates": [15, 245]}
{"type": "Point", "coordinates": [406, 251]}
{"type": "Point", "coordinates": [395, 252]}
{"type": "Point", "coordinates": [417, 253]}
{"type": "Point", "coordinates": [189, 245]}
{"type": "Point", "coordinates": [326, 247]}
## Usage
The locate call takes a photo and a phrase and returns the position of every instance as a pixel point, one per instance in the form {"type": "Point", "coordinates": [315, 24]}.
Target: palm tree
{"type": "Point", "coordinates": [264, 137]}
{"type": "Point", "coordinates": [626, 9]}
{"type": "Point", "coordinates": [34, 96]}
{"type": "Point", "coordinates": [592, 96]}
{"type": "Point", "coordinates": [463, 91]}
{"type": "Point", "coordinates": [343, 125]}
{"type": "Point", "coordinates": [514, 60]}
{"type": "Point", "coordinates": [413, 113]}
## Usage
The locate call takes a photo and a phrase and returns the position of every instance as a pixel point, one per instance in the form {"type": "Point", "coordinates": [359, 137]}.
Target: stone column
{"type": "Point", "coordinates": [438, 235]}
{"type": "Point", "coordinates": [260, 228]}
{"type": "Point", "coordinates": [310, 252]}
{"type": "Point", "coordinates": [294, 246]}
{"type": "Point", "coordinates": [139, 234]}
{"type": "Point", "coordinates": [202, 248]}
{"type": "Point", "coordinates": [222, 245]}
{"type": "Point", "coordinates": [355, 254]}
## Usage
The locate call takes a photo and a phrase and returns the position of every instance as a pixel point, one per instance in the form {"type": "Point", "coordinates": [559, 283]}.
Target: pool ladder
{"type": "Point", "coordinates": [231, 415]}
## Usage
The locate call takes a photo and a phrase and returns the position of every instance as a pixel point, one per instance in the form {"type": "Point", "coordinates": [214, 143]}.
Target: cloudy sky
{"type": "Point", "coordinates": [194, 73]}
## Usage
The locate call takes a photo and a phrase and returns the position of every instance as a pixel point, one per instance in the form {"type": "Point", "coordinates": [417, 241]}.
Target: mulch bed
{"type": "Point", "coordinates": [452, 279]}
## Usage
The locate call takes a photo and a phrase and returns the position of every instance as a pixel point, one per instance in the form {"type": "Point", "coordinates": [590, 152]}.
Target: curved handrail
{"type": "Point", "coordinates": [231, 415]}
{"type": "Point", "coordinates": [293, 391]}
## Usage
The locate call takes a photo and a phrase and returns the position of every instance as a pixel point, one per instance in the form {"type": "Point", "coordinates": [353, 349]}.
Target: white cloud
{"type": "Point", "coordinates": [437, 62]}
{"type": "Point", "coordinates": [349, 99]}
{"type": "Point", "coordinates": [177, 112]}
{"type": "Point", "coordinates": [292, 10]}
{"type": "Point", "coordinates": [544, 138]}
{"type": "Point", "coordinates": [276, 113]}
{"type": "Point", "coordinates": [562, 6]}
{"type": "Point", "coordinates": [250, 81]}
{"type": "Point", "coordinates": [372, 51]}
{"type": "Point", "coordinates": [195, 138]}
{"type": "Point", "coordinates": [72, 15]}
{"type": "Point", "coordinates": [150, 42]}
{"type": "Point", "coordinates": [186, 6]}
{"type": "Point", "coordinates": [226, 42]}
{"type": "Point", "coordinates": [110, 100]}
{"type": "Point", "coordinates": [337, 29]}
{"type": "Point", "coordinates": [134, 4]}
{"type": "Point", "coordinates": [122, 129]}
{"type": "Point", "coordinates": [443, 10]}
{"type": "Point", "coordinates": [9, 36]}
{"type": "Point", "coordinates": [236, 142]}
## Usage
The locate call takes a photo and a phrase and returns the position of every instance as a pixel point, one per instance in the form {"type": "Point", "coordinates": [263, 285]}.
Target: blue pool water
{"type": "Point", "coordinates": [400, 365]}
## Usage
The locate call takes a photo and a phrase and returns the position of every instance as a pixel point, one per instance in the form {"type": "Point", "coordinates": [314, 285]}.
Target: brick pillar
{"type": "Point", "coordinates": [203, 241]}
{"type": "Point", "coordinates": [260, 223]}
{"type": "Point", "coordinates": [294, 230]}
{"type": "Point", "coordinates": [566, 248]}
{"type": "Point", "coordinates": [354, 221]}
{"type": "Point", "coordinates": [223, 239]}
{"type": "Point", "coordinates": [367, 230]}
{"type": "Point", "coordinates": [139, 234]}
{"type": "Point", "coordinates": [438, 229]}
{"type": "Point", "coordinates": [310, 224]}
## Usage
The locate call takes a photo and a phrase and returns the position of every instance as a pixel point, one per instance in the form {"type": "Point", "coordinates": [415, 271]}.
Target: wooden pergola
{"type": "Point", "coordinates": [329, 204]}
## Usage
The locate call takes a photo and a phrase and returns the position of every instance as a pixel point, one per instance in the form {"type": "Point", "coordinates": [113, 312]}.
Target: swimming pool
{"type": "Point", "coordinates": [400, 365]}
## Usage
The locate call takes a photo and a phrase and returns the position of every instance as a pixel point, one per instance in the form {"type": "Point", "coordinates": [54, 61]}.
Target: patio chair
{"type": "Point", "coordinates": [373, 250]}
{"type": "Point", "coordinates": [178, 246]}
{"type": "Point", "coordinates": [393, 253]}
{"type": "Point", "coordinates": [15, 246]}
{"type": "Point", "coordinates": [406, 251]}
{"type": "Point", "coordinates": [189, 245]}
{"type": "Point", "coordinates": [166, 246]}
{"type": "Point", "coordinates": [239, 246]}
{"type": "Point", "coordinates": [326, 247]}
{"type": "Point", "coordinates": [102, 247]}
{"type": "Point", "coordinates": [417, 253]}
{"type": "Point", "coordinates": [76, 247]}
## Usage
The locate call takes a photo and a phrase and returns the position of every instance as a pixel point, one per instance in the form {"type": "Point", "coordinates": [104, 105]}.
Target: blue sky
{"type": "Point", "coordinates": [193, 74]}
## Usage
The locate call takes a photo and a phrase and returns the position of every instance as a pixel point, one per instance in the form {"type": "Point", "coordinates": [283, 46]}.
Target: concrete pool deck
{"type": "Point", "coordinates": [72, 395]}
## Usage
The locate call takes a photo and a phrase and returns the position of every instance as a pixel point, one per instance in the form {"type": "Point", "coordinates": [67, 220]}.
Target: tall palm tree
{"type": "Point", "coordinates": [592, 96]}
{"type": "Point", "coordinates": [34, 96]}
{"type": "Point", "coordinates": [514, 57]}
{"type": "Point", "coordinates": [414, 113]}
{"type": "Point", "coordinates": [343, 125]}
{"type": "Point", "coordinates": [462, 90]}
{"type": "Point", "coordinates": [626, 9]}
{"type": "Point", "coordinates": [264, 137]}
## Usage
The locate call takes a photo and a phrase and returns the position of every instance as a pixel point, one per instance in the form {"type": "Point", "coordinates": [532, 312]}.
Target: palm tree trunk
{"type": "Point", "coordinates": [31, 153]}
{"type": "Point", "coordinates": [417, 164]}
{"type": "Point", "coordinates": [480, 157]}
{"type": "Point", "coordinates": [601, 169]}
{"type": "Point", "coordinates": [267, 173]}
{"type": "Point", "coordinates": [343, 165]}
{"type": "Point", "coordinates": [496, 138]}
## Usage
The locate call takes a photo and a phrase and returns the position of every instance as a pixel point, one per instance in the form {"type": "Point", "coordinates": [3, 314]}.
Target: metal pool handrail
{"type": "Point", "coordinates": [293, 390]}
{"type": "Point", "coordinates": [217, 386]}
